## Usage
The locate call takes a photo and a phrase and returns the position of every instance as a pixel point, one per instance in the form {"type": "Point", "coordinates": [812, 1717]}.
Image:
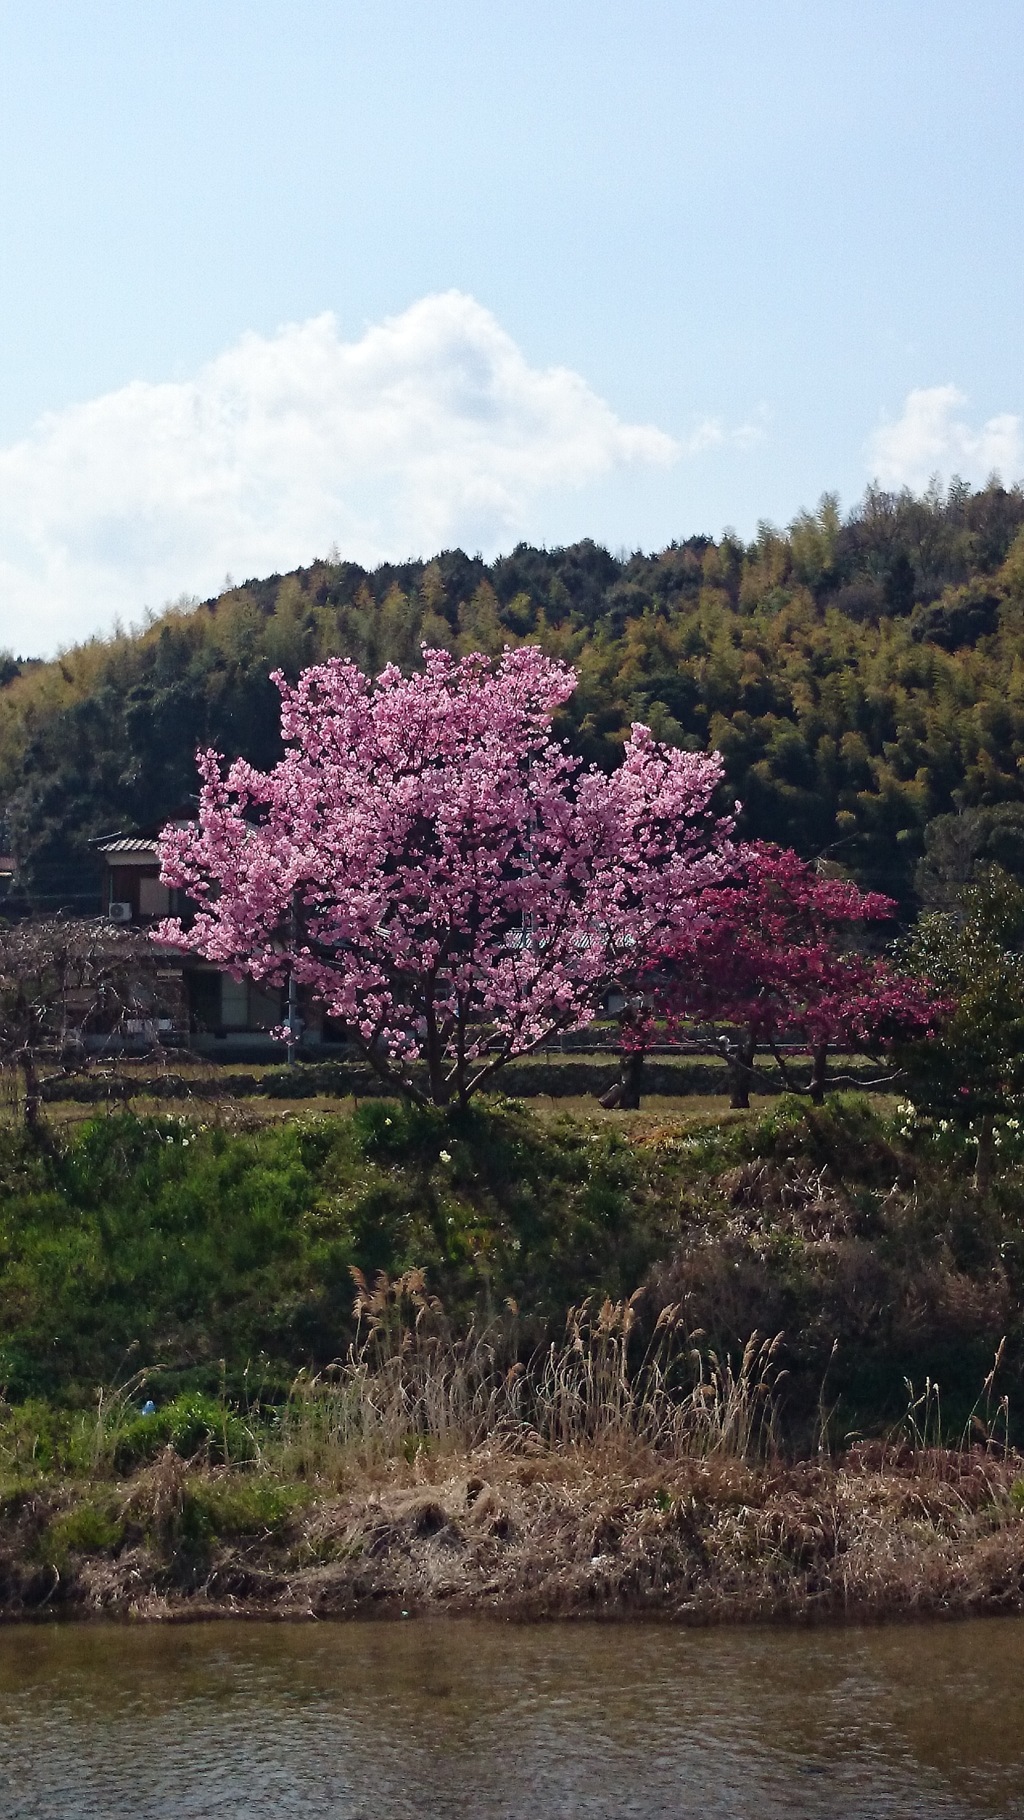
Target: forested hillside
{"type": "Point", "coordinates": [862, 676]}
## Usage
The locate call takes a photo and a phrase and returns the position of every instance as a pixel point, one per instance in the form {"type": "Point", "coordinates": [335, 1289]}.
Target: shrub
{"type": "Point", "coordinates": [87, 1530]}
{"type": "Point", "coordinates": [250, 1507]}
{"type": "Point", "coordinates": [192, 1424]}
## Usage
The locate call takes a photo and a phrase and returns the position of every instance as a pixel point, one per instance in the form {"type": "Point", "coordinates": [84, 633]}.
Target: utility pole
{"type": "Point", "coordinates": [294, 1020]}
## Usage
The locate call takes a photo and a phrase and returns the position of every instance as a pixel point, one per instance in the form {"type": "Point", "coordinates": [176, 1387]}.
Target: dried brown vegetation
{"type": "Point", "coordinates": [599, 1481]}
{"type": "Point", "coordinates": [894, 1533]}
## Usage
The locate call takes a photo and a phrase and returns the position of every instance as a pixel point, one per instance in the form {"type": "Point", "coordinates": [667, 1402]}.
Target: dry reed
{"type": "Point", "coordinates": [409, 1386]}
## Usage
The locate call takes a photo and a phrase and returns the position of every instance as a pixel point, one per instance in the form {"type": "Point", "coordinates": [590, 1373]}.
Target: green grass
{"type": "Point", "coordinates": [204, 1260]}
{"type": "Point", "coordinates": [173, 1244]}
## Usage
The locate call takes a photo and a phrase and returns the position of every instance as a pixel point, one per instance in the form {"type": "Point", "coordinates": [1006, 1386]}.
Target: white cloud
{"type": "Point", "coordinates": [431, 430]}
{"type": "Point", "coordinates": [930, 438]}
{"type": "Point", "coordinates": [711, 433]}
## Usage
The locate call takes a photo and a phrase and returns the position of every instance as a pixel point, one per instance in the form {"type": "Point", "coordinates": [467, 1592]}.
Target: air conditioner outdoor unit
{"type": "Point", "coordinates": [119, 913]}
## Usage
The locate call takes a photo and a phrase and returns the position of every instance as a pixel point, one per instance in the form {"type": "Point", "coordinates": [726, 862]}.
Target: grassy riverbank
{"type": "Point", "coordinates": [427, 1472]}
{"type": "Point", "coordinates": [214, 1250]}
{"type": "Point", "coordinates": [451, 1439]}
{"type": "Point", "coordinates": [878, 1534]}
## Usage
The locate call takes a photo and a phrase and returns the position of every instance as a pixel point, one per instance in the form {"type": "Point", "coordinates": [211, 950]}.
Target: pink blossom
{"type": "Point", "coordinates": [438, 869]}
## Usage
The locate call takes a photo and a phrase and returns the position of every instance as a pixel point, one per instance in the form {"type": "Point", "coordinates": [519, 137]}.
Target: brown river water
{"type": "Point", "coordinates": [497, 1722]}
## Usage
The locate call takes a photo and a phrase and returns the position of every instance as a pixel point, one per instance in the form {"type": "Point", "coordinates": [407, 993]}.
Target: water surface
{"type": "Point", "coordinates": [494, 1722]}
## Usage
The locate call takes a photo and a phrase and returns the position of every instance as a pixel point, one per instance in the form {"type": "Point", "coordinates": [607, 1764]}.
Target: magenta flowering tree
{"type": "Point", "coordinates": [778, 958]}
{"type": "Point", "coordinates": [438, 869]}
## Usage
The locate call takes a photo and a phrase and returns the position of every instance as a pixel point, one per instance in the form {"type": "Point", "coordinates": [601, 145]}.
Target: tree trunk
{"type": "Point", "coordinates": [819, 1073]}
{"type": "Point", "coordinates": [985, 1153]}
{"type": "Point", "coordinates": [741, 1068]}
{"type": "Point", "coordinates": [33, 1098]}
{"type": "Point", "coordinates": [625, 1094]}
{"type": "Point", "coordinates": [440, 1091]}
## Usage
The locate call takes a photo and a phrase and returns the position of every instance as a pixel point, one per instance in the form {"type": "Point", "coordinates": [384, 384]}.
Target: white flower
{"type": "Point", "coordinates": [445, 1156]}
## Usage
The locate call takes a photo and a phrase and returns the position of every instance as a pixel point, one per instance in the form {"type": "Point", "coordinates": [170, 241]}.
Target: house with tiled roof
{"type": "Point", "coordinates": [225, 1015]}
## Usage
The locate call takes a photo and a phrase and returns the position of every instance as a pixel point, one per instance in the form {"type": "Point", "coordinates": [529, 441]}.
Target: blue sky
{"type": "Point", "coordinates": [388, 275]}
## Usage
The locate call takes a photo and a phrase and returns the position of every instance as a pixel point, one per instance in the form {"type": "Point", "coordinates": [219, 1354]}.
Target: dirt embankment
{"type": "Point", "coordinates": [878, 1535]}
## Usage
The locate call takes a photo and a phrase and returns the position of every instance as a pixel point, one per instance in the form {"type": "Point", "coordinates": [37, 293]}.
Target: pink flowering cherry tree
{"type": "Point", "coordinates": [434, 865]}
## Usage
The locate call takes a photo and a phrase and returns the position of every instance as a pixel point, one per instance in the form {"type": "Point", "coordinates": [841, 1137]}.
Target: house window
{"type": "Point", "coordinates": [264, 1009]}
{"type": "Point", "coordinates": [234, 1003]}
{"type": "Point", "coordinates": [154, 898]}
{"type": "Point", "coordinates": [124, 887]}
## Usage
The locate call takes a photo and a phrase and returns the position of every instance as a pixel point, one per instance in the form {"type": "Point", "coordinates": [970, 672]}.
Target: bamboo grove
{"type": "Point", "coordinates": [862, 676]}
